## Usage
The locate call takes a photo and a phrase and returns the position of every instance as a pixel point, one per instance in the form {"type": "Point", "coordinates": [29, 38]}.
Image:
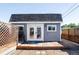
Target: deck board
{"type": "Point", "coordinates": [40, 46]}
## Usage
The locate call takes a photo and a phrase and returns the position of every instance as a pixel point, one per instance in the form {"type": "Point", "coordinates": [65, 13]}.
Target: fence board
{"type": "Point", "coordinates": [8, 33]}
{"type": "Point", "coordinates": [71, 34]}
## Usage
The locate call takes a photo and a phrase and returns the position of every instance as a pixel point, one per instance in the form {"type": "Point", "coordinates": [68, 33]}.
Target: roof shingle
{"type": "Point", "coordinates": [35, 17]}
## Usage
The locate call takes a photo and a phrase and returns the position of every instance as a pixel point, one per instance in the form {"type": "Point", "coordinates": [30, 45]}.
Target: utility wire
{"type": "Point", "coordinates": [71, 10]}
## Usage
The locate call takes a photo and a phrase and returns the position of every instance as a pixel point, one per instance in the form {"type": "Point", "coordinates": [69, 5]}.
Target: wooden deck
{"type": "Point", "coordinates": [41, 46]}
{"type": "Point", "coordinates": [72, 49]}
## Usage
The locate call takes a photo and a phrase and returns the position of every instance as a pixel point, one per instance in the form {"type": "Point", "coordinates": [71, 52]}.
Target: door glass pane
{"type": "Point", "coordinates": [38, 32]}
{"type": "Point", "coordinates": [31, 32]}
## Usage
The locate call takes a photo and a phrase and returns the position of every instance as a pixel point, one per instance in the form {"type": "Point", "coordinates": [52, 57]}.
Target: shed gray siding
{"type": "Point", "coordinates": [48, 36]}
{"type": "Point", "coordinates": [52, 36]}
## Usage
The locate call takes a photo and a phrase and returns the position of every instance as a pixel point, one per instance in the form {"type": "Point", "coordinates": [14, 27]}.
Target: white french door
{"type": "Point", "coordinates": [35, 32]}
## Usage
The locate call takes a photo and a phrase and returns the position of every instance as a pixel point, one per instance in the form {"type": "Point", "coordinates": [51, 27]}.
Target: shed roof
{"type": "Point", "coordinates": [35, 17]}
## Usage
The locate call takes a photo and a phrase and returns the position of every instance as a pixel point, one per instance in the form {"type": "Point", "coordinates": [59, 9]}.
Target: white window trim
{"type": "Point", "coordinates": [52, 30]}
{"type": "Point", "coordinates": [20, 25]}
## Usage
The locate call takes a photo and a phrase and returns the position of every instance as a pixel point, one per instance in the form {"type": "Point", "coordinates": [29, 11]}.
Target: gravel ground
{"type": "Point", "coordinates": [73, 49]}
{"type": "Point", "coordinates": [7, 46]}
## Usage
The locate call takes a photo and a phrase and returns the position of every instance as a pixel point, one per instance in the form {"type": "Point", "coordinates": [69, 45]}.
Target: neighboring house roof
{"type": "Point", "coordinates": [35, 17]}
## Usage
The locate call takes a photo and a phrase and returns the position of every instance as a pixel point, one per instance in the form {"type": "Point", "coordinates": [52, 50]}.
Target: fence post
{"type": "Point", "coordinates": [74, 34]}
{"type": "Point", "coordinates": [68, 34]}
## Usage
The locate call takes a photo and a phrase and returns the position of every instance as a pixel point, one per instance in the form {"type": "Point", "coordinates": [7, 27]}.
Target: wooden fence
{"type": "Point", "coordinates": [8, 33]}
{"type": "Point", "coordinates": [71, 34]}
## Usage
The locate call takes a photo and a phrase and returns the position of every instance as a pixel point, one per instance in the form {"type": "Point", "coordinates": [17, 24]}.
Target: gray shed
{"type": "Point", "coordinates": [37, 27]}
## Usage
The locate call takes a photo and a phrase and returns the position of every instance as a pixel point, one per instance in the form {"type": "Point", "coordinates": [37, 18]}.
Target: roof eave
{"type": "Point", "coordinates": [37, 22]}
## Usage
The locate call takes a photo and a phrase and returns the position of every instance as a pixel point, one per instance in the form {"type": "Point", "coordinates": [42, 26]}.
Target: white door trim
{"type": "Point", "coordinates": [35, 26]}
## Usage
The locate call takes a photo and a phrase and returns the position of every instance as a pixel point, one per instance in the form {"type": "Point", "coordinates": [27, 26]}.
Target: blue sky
{"type": "Point", "coordinates": [7, 9]}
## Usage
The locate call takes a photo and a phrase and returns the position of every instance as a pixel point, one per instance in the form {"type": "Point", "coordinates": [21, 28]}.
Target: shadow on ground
{"type": "Point", "coordinates": [70, 47]}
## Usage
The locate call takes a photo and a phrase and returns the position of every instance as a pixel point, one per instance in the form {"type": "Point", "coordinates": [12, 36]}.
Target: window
{"type": "Point", "coordinates": [38, 32]}
{"type": "Point", "coordinates": [51, 28]}
{"type": "Point", "coordinates": [31, 32]}
{"type": "Point", "coordinates": [20, 28]}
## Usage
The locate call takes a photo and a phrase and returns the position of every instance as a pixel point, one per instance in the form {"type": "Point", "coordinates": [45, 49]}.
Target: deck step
{"type": "Point", "coordinates": [41, 46]}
